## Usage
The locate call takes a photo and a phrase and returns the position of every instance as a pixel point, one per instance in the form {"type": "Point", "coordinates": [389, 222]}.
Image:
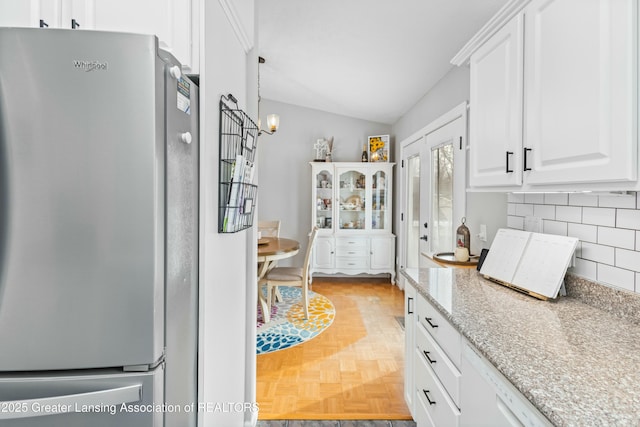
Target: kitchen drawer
{"type": "Point", "coordinates": [442, 366]}
{"type": "Point", "coordinates": [440, 329]}
{"type": "Point", "coordinates": [352, 263]}
{"type": "Point", "coordinates": [422, 414]}
{"type": "Point", "coordinates": [346, 251]}
{"type": "Point", "coordinates": [352, 242]}
{"type": "Point", "coordinates": [441, 409]}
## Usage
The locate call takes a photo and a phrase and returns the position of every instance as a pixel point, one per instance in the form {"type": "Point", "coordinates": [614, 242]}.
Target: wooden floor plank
{"type": "Point", "coordinates": [353, 370]}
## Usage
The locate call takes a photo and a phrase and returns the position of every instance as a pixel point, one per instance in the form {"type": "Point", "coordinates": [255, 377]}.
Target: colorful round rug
{"type": "Point", "coordinates": [288, 327]}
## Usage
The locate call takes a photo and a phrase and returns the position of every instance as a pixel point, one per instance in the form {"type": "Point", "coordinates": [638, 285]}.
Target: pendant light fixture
{"type": "Point", "coordinates": [273, 120]}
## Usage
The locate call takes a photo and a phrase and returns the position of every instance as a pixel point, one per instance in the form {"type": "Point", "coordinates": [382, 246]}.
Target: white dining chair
{"type": "Point", "coordinates": [269, 228]}
{"type": "Point", "coordinates": [292, 276]}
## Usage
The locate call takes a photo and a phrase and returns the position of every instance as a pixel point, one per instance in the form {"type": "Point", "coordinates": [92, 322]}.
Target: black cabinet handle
{"type": "Point", "coordinates": [426, 393]}
{"type": "Point", "coordinates": [525, 159]}
{"type": "Point", "coordinates": [426, 354]}
{"type": "Point", "coordinates": [409, 308]}
{"type": "Point", "coordinates": [43, 24]}
{"type": "Point", "coordinates": [507, 161]}
{"type": "Point", "coordinates": [74, 24]}
{"type": "Point", "coordinates": [428, 319]}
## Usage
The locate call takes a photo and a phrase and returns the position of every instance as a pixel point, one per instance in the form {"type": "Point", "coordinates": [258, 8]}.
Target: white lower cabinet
{"type": "Point", "coordinates": [436, 359]}
{"type": "Point", "coordinates": [323, 253]}
{"type": "Point", "coordinates": [440, 407]}
{"type": "Point", "coordinates": [353, 255]}
{"type": "Point", "coordinates": [448, 383]}
{"type": "Point", "coordinates": [409, 345]}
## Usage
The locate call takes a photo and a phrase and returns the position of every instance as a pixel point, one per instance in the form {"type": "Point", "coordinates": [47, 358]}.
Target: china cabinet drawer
{"type": "Point", "coordinates": [440, 329]}
{"type": "Point", "coordinates": [347, 263]}
{"type": "Point", "coordinates": [352, 244]}
{"type": "Point", "coordinates": [442, 366]}
{"type": "Point", "coordinates": [343, 251]}
{"type": "Point", "coordinates": [441, 409]}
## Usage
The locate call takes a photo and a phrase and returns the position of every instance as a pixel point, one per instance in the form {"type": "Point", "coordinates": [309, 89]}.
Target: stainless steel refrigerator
{"type": "Point", "coordinates": [98, 231]}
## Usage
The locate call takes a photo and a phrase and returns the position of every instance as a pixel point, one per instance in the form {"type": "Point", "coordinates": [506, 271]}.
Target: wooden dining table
{"type": "Point", "coordinates": [270, 250]}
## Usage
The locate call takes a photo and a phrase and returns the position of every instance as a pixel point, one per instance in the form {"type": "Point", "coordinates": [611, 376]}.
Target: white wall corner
{"type": "Point", "coordinates": [244, 36]}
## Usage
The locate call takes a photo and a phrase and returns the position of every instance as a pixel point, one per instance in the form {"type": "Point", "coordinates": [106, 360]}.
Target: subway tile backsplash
{"type": "Point", "coordinates": [608, 227]}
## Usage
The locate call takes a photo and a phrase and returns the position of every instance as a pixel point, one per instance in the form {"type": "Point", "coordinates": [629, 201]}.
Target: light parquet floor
{"type": "Point", "coordinates": [354, 370]}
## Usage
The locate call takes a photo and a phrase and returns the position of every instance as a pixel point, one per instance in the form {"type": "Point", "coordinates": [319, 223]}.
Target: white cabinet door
{"type": "Point", "coordinates": [18, 13]}
{"type": "Point", "coordinates": [323, 253]}
{"type": "Point", "coordinates": [409, 345]}
{"type": "Point", "coordinates": [381, 253]}
{"type": "Point", "coordinates": [171, 21]}
{"type": "Point", "coordinates": [580, 91]}
{"type": "Point", "coordinates": [496, 109]}
{"type": "Point", "coordinates": [21, 13]}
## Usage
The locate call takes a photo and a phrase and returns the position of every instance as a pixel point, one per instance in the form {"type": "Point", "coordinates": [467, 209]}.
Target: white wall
{"type": "Point", "coordinates": [227, 261]}
{"type": "Point", "coordinates": [608, 227]}
{"type": "Point", "coordinates": [284, 172]}
{"type": "Point", "coordinates": [451, 90]}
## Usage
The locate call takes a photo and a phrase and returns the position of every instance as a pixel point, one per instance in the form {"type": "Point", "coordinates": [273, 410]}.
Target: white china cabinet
{"type": "Point", "coordinates": [352, 207]}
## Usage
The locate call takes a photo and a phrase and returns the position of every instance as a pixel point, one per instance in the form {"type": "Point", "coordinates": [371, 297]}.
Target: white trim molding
{"type": "Point", "coordinates": [236, 23]}
{"type": "Point", "coordinates": [508, 11]}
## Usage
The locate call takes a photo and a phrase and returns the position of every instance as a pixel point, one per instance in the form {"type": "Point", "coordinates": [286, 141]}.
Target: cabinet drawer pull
{"type": "Point", "coordinates": [429, 319]}
{"type": "Point", "coordinates": [409, 307]}
{"type": "Point", "coordinates": [526, 150]}
{"type": "Point", "coordinates": [426, 393]}
{"type": "Point", "coordinates": [426, 354]}
{"type": "Point", "coordinates": [507, 162]}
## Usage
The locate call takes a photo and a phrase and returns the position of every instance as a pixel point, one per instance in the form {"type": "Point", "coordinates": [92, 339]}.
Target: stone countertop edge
{"type": "Point", "coordinates": [575, 358]}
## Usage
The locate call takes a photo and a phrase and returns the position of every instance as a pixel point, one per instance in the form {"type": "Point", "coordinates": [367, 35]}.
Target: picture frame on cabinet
{"type": "Point", "coordinates": [378, 148]}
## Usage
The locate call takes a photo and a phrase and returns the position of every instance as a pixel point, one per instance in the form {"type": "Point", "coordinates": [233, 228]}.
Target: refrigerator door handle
{"type": "Point", "coordinates": [29, 408]}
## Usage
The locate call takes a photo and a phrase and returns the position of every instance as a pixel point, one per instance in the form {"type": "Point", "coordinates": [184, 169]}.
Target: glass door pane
{"type": "Point", "coordinates": [413, 212]}
{"type": "Point", "coordinates": [379, 201]}
{"type": "Point", "coordinates": [324, 189]}
{"type": "Point", "coordinates": [351, 214]}
{"type": "Point", "coordinates": [442, 198]}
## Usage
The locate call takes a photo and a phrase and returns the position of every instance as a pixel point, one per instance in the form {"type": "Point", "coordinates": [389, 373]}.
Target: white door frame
{"type": "Point", "coordinates": [460, 111]}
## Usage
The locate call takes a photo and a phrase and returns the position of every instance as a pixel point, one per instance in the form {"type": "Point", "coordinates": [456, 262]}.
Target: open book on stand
{"type": "Point", "coordinates": [533, 263]}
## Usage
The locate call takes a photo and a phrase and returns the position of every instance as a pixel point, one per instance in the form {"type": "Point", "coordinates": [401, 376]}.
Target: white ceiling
{"type": "Point", "coordinates": [369, 59]}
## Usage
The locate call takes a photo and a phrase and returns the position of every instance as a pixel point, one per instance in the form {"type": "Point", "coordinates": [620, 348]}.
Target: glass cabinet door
{"type": "Point", "coordinates": [351, 212]}
{"type": "Point", "coordinates": [324, 199]}
{"type": "Point", "coordinates": [379, 201]}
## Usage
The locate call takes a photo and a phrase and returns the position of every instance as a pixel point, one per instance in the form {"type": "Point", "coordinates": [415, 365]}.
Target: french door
{"type": "Point", "coordinates": [433, 183]}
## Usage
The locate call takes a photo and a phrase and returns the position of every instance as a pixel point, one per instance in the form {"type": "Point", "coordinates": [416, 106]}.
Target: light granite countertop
{"type": "Point", "coordinates": [578, 364]}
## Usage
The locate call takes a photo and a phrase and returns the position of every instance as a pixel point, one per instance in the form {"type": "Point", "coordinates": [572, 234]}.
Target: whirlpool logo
{"type": "Point", "coordinates": [90, 65]}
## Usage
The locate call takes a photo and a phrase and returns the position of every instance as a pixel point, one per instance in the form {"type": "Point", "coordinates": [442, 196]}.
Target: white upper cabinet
{"type": "Point", "coordinates": [580, 91]}
{"type": "Point", "coordinates": [496, 109]}
{"type": "Point", "coordinates": [171, 20]}
{"type": "Point", "coordinates": [174, 22]}
{"type": "Point", "coordinates": [41, 13]}
{"type": "Point", "coordinates": [554, 97]}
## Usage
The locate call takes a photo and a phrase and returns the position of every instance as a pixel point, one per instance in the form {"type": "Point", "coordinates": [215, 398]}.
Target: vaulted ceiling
{"type": "Point", "coordinates": [368, 59]}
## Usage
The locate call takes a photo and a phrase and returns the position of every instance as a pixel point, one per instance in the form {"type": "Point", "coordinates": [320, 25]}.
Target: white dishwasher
{"type": "Point", "coordinates": [488, 399]}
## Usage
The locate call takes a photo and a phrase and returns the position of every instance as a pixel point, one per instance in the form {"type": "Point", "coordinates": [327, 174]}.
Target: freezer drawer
{"type": "Point", "coordinates": [96, 399]}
